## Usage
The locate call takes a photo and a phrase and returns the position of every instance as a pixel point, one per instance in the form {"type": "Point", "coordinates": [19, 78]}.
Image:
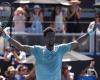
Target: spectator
{"type": "Point", "coordinates": [22, 73]}
{"type": "Point", "coordinates": [58, 20]}
{"type": "Point", "coordinates": [19, 20]}
{"type": "Point", "coordinates": [73, 17]}
{"type": "Point", "coordinates": [3, 44]}
{"type": "Point", "coordinates": [90, 70]}
{"type": "Point", "coordinates": [37, 19]}
{"type": "Point", "coordinates": [6, 51]}
{"type": "Point", "coordinates": [9, 57]}
{"type": "Point", "coordinates": [14, 56]}
{"type": "Point", "coordinates": [94, 26]}
{"type": "Point", "coordinates": [10, 73]}
{"type": "Point", "coordinates": [27, 15]}
{"type": "Point", "coordinates": [19, 55]}
{"type": "Point", "coordinates": [66, 74]}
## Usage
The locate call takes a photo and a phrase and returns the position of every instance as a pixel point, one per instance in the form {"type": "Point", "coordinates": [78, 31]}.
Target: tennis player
{"type": "Point", "coordinates": [49, 57]}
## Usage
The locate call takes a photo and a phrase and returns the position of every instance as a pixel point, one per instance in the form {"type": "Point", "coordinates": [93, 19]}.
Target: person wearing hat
{"type": "Point", "coordinates": [37, 19]}
{"type": "Point", "coordinates": [19, 20]}
{"type": "Point", "coordinates": [73, 17]}
{"type": "Point", "coordinates": [10, 73]}
{"type": "Point", "coordinates": [74, 1]}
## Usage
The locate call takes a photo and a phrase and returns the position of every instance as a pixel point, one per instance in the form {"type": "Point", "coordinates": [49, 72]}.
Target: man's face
{"type": "Point", "coordinates": [50, 39]}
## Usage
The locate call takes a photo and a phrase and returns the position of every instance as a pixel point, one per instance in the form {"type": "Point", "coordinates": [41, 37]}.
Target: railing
{"type": "Point", "coordinates": [37, 39]}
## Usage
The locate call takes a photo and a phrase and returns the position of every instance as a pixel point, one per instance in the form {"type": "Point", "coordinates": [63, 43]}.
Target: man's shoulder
{"type": "Point", "coordinates": [63, 44]}
{"type": "Point", "coordinates": [38, 46]}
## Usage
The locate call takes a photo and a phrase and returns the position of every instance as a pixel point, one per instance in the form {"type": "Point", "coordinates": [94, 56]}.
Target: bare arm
{"type": "Point", "coordinates": [70, 14]}
{"type": "Point", "coordinates": [79, 40]}
{"type": "Point", "coordinates": [96, 74]}
{"type": "Point", "coordinates": [17, 44]}
{"type": "Point", "coordinates": [4, 58]}
{"type": "Point", "coordinates": [16, 55]}
{"type": "Point", "coordinates": [41, 18]}
{"type": "Point", "coordinates": [78, 12]}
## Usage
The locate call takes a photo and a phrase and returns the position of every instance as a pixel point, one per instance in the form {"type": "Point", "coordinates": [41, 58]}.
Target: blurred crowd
{"type": "Point", "coordinates": [62, 20]}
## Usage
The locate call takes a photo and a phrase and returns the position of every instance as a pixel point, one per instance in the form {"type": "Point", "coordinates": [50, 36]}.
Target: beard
{"type": "Point", "coordinates": [51, 43]}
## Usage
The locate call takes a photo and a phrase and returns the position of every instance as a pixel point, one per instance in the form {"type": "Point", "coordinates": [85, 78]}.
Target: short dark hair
{"type": "Point", "coordinates": [48, 29]}
{"type": "Point", "coordinates": [97, 14]}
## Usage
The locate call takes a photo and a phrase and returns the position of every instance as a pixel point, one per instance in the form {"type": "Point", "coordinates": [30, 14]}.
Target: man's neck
{"type": "Point", "coordinates": [50, 48]}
